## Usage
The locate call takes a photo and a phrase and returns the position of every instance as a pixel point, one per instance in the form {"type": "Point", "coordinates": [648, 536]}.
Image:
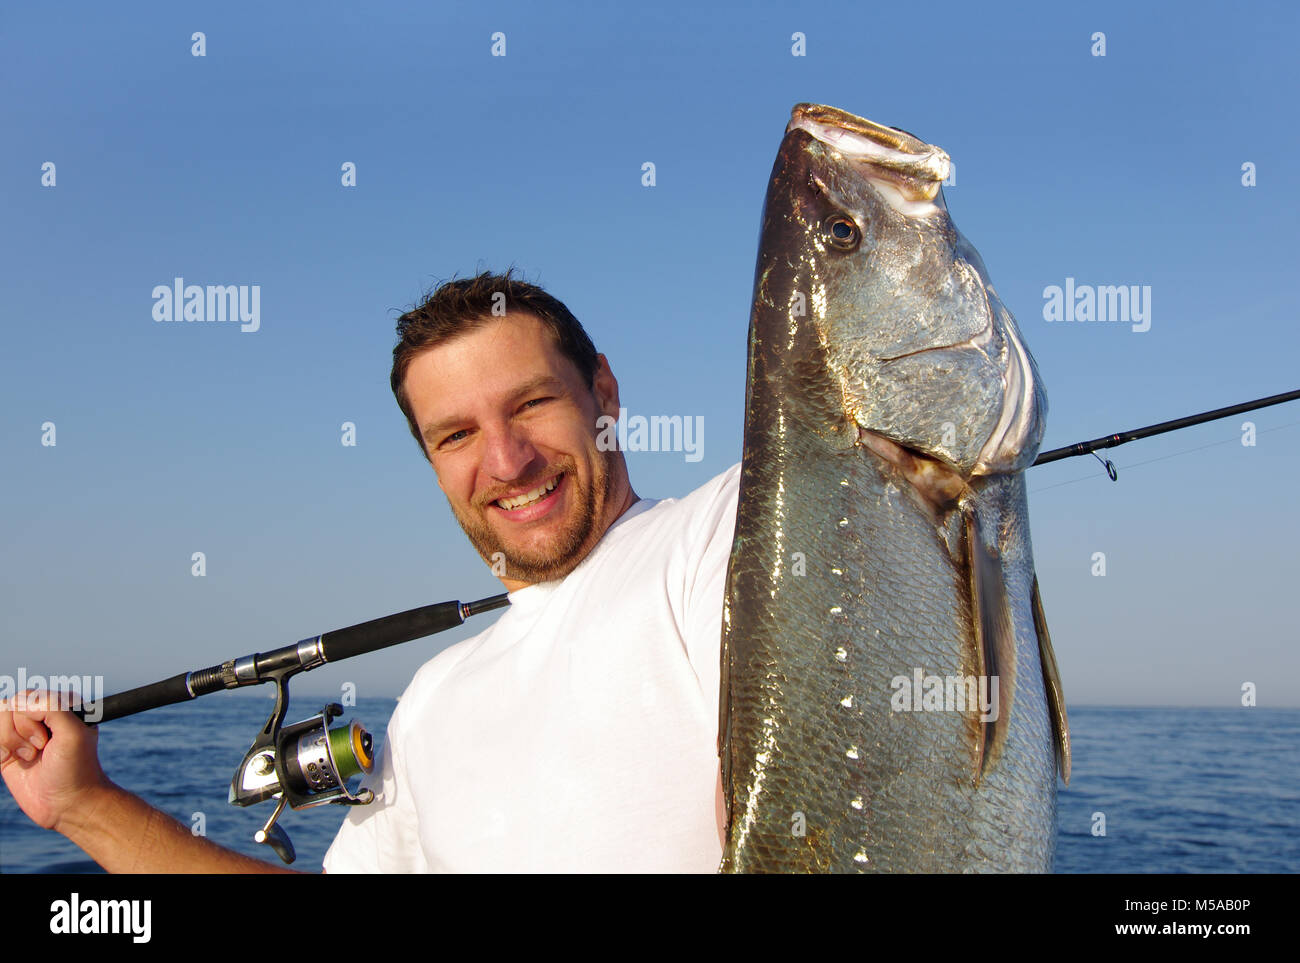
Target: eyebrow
{"type": "Point", "coordinates": [430, 431]}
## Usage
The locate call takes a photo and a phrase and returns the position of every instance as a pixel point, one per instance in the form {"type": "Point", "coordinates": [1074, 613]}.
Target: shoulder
{"type": "Point", "coordinates": [663, 538]}
{"type": "Point", "coordinates": [719, 488]}
{"type": "Point", "coordinates": [701, 511]}
{"type": "Point", "coordinates": [708, 514]}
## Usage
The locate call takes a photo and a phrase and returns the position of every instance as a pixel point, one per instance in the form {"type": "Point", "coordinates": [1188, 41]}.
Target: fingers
{"type": "Point", "coordinates": [11, 743]}
{"type": "Point", "coordinates": [17, 730]}
{"type": "Point", "coordinates": [34, 732]}
{"type": "Point", "coordinates": [51, 709]}
{"type": "Point", "coordinates": [26, 723]}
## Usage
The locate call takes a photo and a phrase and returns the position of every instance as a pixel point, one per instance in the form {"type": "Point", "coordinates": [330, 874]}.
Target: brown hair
{"type": "Point", "coordinates": [461, 305]}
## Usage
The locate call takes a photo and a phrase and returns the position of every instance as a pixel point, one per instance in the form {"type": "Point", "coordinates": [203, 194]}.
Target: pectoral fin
{"type": "Point", "coordinates": [995, 641]}
{"type": "Point", "coordinates": [1052, 686]}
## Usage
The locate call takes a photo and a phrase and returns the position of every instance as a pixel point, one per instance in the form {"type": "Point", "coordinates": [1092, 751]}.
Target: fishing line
{"type": "Point", "coordinates": [1151, 461]}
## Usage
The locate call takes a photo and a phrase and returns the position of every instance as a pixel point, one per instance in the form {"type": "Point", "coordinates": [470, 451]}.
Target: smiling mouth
{"type": "Point", "coordinates": [529, 498]}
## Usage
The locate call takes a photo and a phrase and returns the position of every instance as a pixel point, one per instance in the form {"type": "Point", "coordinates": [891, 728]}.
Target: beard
{"type": "Point", "coordinates": [568, 547]}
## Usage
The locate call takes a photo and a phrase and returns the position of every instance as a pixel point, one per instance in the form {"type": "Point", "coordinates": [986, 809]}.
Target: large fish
{"type": "Point", "coordinates": [890, 701]}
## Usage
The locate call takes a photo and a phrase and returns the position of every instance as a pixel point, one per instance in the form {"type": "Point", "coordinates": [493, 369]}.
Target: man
{"type": "Point", "coordinates": [578, 733]}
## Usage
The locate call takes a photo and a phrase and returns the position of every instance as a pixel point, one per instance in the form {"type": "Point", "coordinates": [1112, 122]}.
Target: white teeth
{"type": "Point", "coordinates": [510, 504]}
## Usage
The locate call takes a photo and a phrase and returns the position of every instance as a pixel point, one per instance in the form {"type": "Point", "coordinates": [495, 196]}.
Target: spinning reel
{"type": "Point", "coordinates": [305, 764]}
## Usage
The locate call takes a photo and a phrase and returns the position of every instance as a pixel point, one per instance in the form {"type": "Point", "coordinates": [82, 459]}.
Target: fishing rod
{"type": "Point", "coordinates": [307, 763]}
{"type": "Point", "coordinates": [1124, 437]}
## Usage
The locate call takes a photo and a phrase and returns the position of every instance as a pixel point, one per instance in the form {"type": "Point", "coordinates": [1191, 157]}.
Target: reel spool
{"type": "Point", "coordinates": [319, 763]}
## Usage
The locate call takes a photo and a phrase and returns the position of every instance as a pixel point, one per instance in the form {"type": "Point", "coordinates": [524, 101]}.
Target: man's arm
{"type": "Point", "coordinates": [48, 760]}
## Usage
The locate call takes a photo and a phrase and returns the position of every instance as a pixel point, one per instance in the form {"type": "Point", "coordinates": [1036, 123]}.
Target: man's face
{"type": "Point", "coordinates": [510, 429]}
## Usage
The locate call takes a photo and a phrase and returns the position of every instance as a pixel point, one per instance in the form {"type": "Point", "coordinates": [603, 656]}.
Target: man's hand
{"type": "Point", "coordinates": [48, 757]}
{"type": "Point", "coordinates": [49, 761]}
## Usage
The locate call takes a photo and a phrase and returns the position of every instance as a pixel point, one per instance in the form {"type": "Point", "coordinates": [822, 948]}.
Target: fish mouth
{"type": "Point", "coordinates": [901, 163]}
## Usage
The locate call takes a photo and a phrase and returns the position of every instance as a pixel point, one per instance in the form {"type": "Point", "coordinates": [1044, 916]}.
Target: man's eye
{"type": "Point", "coordinates": [533, 402]}
{"type": "Point", "coordinates": [456, 436]}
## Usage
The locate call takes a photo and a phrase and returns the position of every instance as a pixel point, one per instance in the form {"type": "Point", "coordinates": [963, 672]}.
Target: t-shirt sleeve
{"type": "Point", "coordinates": [707, 583]}
{"type": "Point", "coordinates": [382, 837]}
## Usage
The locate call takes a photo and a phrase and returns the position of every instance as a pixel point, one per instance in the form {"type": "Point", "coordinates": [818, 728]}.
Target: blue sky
{"type": "Point", "coordinates": [226, 169]}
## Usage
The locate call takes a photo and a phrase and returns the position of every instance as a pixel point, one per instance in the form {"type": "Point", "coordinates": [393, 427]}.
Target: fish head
{"type": "Point", "coordinates": [892, 299]}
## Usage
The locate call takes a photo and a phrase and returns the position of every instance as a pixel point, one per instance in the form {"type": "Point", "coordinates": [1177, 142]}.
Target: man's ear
{"type": "Point", "coordinates": [605, 387]}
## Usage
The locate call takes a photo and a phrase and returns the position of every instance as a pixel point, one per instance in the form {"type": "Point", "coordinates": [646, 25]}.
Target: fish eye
{"type": "Point", "coordinates": [843, 233]}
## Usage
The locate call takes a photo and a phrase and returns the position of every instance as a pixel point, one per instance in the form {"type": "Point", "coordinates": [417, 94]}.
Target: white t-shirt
{"type": "Point", "coordinates": [579, 732]}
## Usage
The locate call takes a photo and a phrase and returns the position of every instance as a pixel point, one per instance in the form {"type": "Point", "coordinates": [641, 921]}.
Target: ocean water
{"type": "Point", "coordinates": [1180, 790]}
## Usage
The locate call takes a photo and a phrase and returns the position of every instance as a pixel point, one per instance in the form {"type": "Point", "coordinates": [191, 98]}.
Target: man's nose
{"type": "Point", "coordinates": [508, 453]}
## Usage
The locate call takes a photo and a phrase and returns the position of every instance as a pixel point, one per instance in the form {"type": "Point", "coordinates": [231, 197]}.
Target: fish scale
{"type": "Point", "coordinates": [851, 569]}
